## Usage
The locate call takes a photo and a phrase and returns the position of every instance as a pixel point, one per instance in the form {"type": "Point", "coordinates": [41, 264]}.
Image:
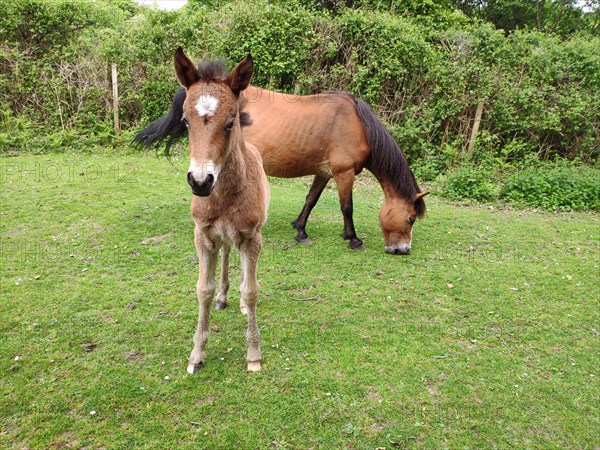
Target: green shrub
{"type": "Point", "coordinates": [423, 67]}
{"type": "Point", "coordinates": [471, 182]}
{"type": "Point", "coordinates": [280, 37]}
{"type": "Point", "coordinates": [554, 186]}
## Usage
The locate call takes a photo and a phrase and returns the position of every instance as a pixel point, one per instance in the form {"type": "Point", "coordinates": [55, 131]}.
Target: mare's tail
{"type": "Point", "coordinates": [170, 127]}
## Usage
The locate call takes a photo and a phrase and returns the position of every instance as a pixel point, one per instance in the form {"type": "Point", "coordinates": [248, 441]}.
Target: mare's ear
{"type": "Point", "coordinates": [239, 78]}
{"type": "Point", "coordinates": [187, 73]}
{"type": "Point", "coordinates": [420, 195]}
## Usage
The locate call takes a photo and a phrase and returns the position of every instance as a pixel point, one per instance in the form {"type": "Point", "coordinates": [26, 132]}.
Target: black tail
{"type": "Point", "coordinates": [169, 127]}
{"type": "Point", "coordinates": [387, 160]}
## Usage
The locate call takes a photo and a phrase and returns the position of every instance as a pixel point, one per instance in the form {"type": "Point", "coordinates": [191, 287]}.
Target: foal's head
{"type": "Point", "coordinates": [211, 112]}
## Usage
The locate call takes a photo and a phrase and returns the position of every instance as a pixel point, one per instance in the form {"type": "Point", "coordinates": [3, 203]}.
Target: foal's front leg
{"type": "Point", "coordinates": [205, 289]}
{"type": "Point", "coordinates": [221, 302]}
{"type": "Point", "coordinates": [249, 252]}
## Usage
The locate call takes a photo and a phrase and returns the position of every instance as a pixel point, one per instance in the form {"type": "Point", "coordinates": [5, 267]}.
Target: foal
{"type": "Point", "coordinates": [231, 193]}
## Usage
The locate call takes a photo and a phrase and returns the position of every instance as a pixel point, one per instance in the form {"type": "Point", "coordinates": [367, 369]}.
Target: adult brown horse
{"type": "Point", "coordinates": [231, 192]}
{"type": "Point", "coordinates": [330, 135]}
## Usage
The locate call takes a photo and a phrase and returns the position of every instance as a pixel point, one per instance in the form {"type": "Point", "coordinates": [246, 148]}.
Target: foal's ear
{"type": "Point", "coordinates": [239, 78]}
{"type": "Point", "coordinates": [421, 195]}
{"type": "Point", "coordinates": [187, 73]}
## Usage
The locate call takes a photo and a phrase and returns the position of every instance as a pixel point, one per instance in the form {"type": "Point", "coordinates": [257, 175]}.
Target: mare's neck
{"type": "Point", "coordinates": [389, 191]}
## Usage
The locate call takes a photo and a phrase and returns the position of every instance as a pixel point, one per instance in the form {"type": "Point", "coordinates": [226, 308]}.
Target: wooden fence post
{"type": "Point", "coordinates": [475, 129]}
{"type": "Point", "coordinates": [115, 86]}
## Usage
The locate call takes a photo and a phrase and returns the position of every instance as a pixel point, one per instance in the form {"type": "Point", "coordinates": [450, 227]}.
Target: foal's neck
{"type": "Point", "coordinates": [233, 170]}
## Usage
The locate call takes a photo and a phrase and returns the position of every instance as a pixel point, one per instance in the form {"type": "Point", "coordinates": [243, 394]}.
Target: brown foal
{"type": "Point", "coordinates": [231, 193]}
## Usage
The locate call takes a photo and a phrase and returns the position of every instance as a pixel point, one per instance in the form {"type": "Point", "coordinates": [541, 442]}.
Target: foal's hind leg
{"type": "Point", "coordinates": [221, 302]}
{"type": "Point", "coordinates": [318, 185]}
{"type": "Point", "coordinates": [249, 252]}
{"type": "Point", "coordinates": [345, 181]}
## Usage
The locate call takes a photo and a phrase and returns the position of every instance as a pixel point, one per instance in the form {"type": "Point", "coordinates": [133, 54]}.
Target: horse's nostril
{"type": "Point", "coordinates": [190, 179]}
{"type": "Point", "coordinates": [210, 178]}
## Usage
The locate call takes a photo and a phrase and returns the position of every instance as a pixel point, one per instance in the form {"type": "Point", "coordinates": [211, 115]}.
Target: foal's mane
{"type": "Point", "coordinates": [212, 70]}
{"type": "Point", "coordinates": [171, 128]}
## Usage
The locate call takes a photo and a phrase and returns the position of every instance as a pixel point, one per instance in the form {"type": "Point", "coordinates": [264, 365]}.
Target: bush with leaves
{"type": "Point", "coordinates": [563, 185]}
{"type": "Point", "coordinates": [423, 66]}
{"type": "Point", "coordinates": [471, 182]}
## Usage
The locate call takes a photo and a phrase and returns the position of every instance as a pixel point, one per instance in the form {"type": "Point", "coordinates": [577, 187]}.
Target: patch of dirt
{"type": "Point", "coordinates": [156, 239]}
{"type": "Point", "coordinates": [374, 395]}
{"type": "Point", "coordinates": [205, 401]}
{"type": "Point", "coordinates": [377, 426]}
{"type": "Point", "coordinates": [466, 345]}
{"type": "Point", "coordinates": [89, 346]}
{"type": "Point", "coordinates": [432, 389]}
{"type": "Point", "coordinates": [134, 356]}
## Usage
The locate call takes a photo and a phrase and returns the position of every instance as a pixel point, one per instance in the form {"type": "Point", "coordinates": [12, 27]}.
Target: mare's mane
{"type": "Point", "coordinates": [386, 158]}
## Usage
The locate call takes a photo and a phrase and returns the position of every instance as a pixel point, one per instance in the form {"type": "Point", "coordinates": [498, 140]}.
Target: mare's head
{"type": "Point", "coordinates": [396, 217]}
{"type": "Point", "coordinates": [211, 111]}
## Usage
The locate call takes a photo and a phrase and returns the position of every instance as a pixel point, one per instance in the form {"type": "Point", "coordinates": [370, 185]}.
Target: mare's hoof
{"type": "Point", "coordinates": [303, 240]}
{"type": "Point", "coordinates": [253, 366]}
{"type": "Point", "coordinates": [358, 246]}
{"type": "Point", "coordinates": [219, 306]}
{"type": "Point", "coordinates": [193, 368]}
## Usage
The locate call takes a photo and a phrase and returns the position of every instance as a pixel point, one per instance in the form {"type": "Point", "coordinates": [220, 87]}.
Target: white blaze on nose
{"type": "Point", "coordinates": [402, 247]}
{"type": "Point", "coordinates": [201, 170]}
{"type": "Point", "coordinates": [207, 105]}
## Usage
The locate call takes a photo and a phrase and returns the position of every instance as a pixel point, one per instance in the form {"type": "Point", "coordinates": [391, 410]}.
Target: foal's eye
{"type": "Point", "coordinates": [229, 126]}
{"type": "Point", "coordinates": [411, 220]}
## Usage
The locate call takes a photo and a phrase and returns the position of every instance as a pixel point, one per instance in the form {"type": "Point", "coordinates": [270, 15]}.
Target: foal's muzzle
{"type": "Point", "coordinates": [204, 188]}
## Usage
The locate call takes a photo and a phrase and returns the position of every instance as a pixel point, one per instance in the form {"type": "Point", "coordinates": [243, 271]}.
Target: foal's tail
{"type": "Point", "coordinates": [386, 158]}
{"type": "Point", "coordinates": [169, 127]}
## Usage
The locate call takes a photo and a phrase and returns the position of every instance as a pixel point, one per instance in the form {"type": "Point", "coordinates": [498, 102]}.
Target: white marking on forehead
{"type": "Point", "coordinates": [207, 105]}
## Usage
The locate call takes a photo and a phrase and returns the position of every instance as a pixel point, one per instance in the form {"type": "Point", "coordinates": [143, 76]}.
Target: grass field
{"type": "Point", "coordinates": [485, 336]}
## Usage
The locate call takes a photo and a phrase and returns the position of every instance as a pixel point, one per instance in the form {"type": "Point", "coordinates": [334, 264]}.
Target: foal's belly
{"type": "Point", "coordinates": [219, 233]}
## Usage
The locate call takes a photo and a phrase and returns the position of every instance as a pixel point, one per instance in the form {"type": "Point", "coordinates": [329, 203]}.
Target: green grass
{"type": "Point", "coordinates": [486, 336]}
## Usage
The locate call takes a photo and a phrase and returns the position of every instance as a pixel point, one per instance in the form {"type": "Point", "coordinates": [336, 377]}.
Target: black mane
{"type": "Point", "coordinates": [170, 128]}
{"type": "Point", "coordinates": [386, 158]}
{"type": "Point", "coordinates": [212, 70]}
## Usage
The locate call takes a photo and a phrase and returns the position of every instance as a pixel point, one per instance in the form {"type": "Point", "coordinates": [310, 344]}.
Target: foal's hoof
{"type": "Point", "coordinates": [193, 368]}
{"type": "Point", "coordinates": [253, 366]}
{"type": "Point", "coordinates": [219, 306]}
{"type": "Point", "coordinates": [244, 310]}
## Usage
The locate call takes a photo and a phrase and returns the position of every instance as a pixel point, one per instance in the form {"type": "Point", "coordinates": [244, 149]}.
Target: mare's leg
{"type": "Point", "coordinates": [249, 251]}
{"type": "Point", "coordinates": [345, 181]}
{"type": "Point", "coordinates": [221, 302]}
{"type": "Point", "coordinates": [205, 290]}
{"type": "Point", "coordinates": [312, 198]}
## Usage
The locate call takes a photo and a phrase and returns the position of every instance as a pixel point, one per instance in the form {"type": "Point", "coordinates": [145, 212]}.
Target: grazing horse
{"type": "Point", "coordinates": [231, 192]}
{"type": "Point", "coordinates": [330, 135]}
